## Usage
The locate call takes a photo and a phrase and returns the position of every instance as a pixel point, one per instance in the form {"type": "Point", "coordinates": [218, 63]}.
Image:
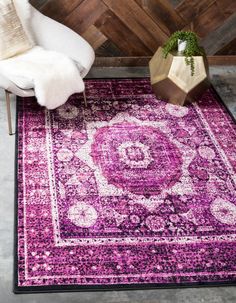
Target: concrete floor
{"type": "Point", "coordinates": [224, 79]}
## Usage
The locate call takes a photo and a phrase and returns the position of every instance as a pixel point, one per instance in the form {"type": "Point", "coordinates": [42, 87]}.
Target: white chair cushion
{"type": "Point", "coordinates": [13, 39]}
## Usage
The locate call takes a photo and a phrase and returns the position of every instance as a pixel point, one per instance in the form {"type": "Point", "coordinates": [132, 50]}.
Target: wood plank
{"type": "Point", "coordinates": [109, 49]}
{"type": "Point", "coordinates": [37, 3]}
{"type": "Point", "coordinates": [144, 61]}
{"type": "Point", "coordinates": [189, 9]}
{"type": "Point", "coordinates": [94, 37]}
{"type": "Point", "coordinates": [121, 61]}
{"type": "Point", "coordinates": [228, 7]}
{"type": "Point", "coordinates": [59, 9]}
{"type": "Point", "coordinates": [69, 5]}
{"type": "Point", "coordinates": [175, 3]}
{"type": "Point", "coordinates": [228, 49]}
{"type": "Point", "coordinates": [85, 15]}
{"type": "Point", "coordinates": [220, 37]}
{"type": "Point", "coordinates": [208, 21]}
{"type": "Point", "coordinates": [163, 14]}
{"type": "Point", "coordinates": [221, 60]}
{"type": "Point", "coordinates": [131, 14]}
{"type": "Point", "coordinates": [113, 28]}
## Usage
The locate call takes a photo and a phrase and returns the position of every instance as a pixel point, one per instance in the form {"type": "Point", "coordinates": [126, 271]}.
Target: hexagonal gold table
{"type": "Point", "coordinates": [171, 78]}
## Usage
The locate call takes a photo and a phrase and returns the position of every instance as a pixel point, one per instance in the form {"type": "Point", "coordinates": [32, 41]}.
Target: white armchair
{"type": "Point", "coordinates": [52, 36]}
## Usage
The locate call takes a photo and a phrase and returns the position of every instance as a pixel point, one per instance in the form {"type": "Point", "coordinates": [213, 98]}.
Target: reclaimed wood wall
{"type": "Point", "coordinates": [117, 28]}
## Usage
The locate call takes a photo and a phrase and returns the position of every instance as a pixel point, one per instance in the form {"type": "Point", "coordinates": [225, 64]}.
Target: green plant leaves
{"type": "Point", "coordinates": [192, 47]}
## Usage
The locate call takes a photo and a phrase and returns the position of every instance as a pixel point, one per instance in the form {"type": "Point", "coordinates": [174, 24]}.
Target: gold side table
{"type": "Point", "coordinates": [171, 78]}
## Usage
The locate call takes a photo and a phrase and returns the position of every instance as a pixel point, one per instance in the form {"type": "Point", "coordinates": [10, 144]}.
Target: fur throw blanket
{"type": "Point", "coordinates": [54, 76]}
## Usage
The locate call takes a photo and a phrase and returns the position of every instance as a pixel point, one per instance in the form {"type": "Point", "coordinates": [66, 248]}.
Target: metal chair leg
{"type": "Point", "coordinates": [8, 105]}
{"type": "Point", "coordinates": [85, 99]}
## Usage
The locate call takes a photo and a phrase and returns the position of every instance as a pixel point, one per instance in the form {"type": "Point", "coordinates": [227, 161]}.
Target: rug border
{"type": "Point", "coordinates": [83, 288]}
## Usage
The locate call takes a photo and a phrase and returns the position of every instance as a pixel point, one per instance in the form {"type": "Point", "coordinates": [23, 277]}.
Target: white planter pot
{"type": "Point", "coordinates": [181, 45]}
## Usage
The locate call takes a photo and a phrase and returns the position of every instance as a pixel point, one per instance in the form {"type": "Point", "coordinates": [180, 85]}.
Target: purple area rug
{"type": "Point", "coordinates": [129, 192]}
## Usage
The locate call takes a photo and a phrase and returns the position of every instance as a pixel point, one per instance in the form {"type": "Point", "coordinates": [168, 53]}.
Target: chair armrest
{"type": "Point", "coordinates": [55, 36]}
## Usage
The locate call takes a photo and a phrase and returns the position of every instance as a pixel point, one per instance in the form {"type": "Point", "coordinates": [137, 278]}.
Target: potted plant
{"type": "Point", "coordinates": [186, 43]}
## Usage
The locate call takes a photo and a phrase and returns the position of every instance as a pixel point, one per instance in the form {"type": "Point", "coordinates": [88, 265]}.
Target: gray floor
{"type": "Point", "coordinates": [224, 79]}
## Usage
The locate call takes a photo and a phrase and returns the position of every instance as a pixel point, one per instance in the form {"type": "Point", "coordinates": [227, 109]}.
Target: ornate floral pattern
{"type": "Point", "coordinates": [133, 160]}
{"type": "Point", "coordinates": [224, 211]}
{"type": "Point", "coordinates": [82, 214]}
{"type": "Point", "coordinates": [135, 154]}
{"type": "Point", "coordinates": [129, 190]}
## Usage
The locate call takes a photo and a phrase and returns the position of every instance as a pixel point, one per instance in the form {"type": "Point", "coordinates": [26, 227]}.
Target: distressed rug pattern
{"type": "Point", "coordinates": [128, 192]}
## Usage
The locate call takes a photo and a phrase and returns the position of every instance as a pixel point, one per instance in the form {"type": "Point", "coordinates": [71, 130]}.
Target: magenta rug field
{"type": "Point", "coordinates": [130, 192]}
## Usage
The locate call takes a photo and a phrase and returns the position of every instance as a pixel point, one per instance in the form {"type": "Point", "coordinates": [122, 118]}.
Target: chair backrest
{"type": "Point", "coordinates": [53, 35]}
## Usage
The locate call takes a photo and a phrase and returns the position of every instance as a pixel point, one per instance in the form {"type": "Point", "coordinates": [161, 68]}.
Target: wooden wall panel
{"type": "Point", "coordinates": [138, 27]}
{"type": "Point", "coordinates": [209, 20]}
{"type": "Point", "coordinates": [109, 49]}
{"type": "Point", "coordinates": [227, 6]}
{"type": "Point", "coordinates": [190, 9]}
{"type": "Point", "coordinates": [95, 36]}
{"type": "Point", "coordinates": [222, 36]}
{"type": "Point", "coordinates": [164, 14]}
{"type": "Point", "coordinates": [85, 14]}
{"type": "Point", "coordinates": [113, 28]}
{"type": "Point", "coordinates": [228, 48]}
{"type": "Point", "coordinates": [140, 23]}
{"type": "Point", "coordinates": [38, 3]}
{"type": "Point", "coordinates": [59, 9]}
